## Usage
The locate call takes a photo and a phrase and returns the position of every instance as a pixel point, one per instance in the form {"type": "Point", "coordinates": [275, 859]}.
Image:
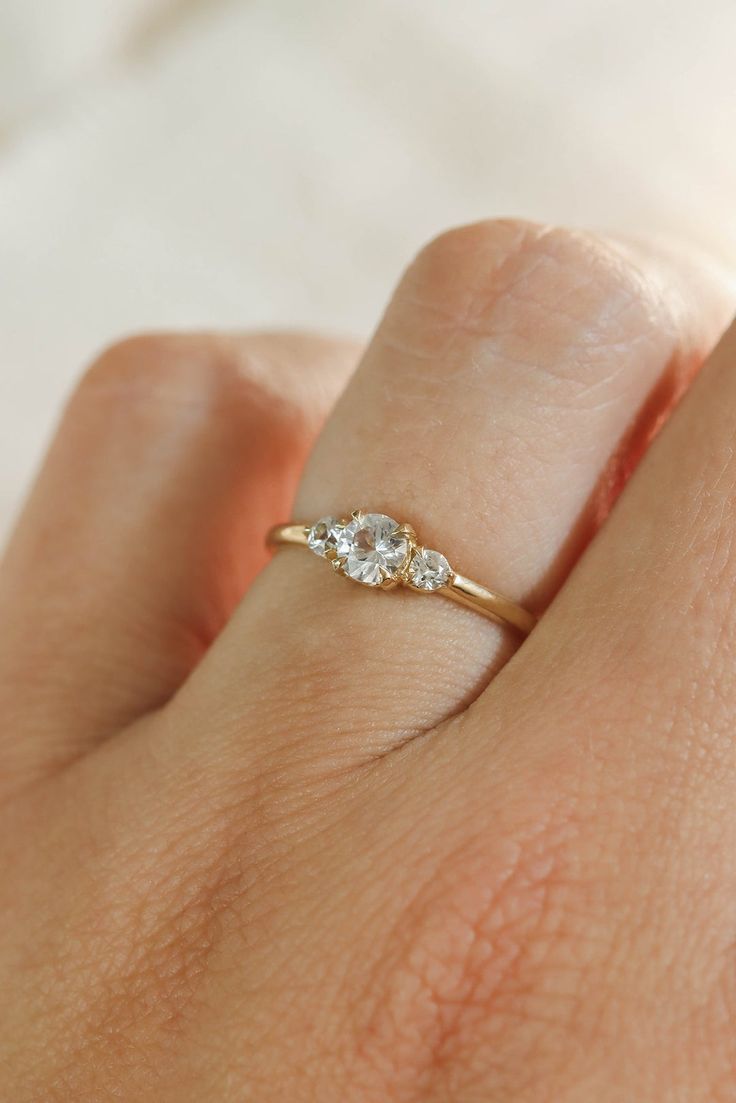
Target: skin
{"type": "Point", "coordinates": [283, 838]}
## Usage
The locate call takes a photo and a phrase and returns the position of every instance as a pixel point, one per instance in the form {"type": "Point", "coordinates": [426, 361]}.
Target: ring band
{"type": "Point", "coordinates": [377, 551]}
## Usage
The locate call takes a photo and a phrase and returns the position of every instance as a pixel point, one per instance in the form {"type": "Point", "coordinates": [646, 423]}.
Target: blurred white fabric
{"type": "Point", "coordinates": [254, 162]}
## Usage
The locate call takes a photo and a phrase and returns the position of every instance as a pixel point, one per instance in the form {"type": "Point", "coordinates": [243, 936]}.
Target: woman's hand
{"type": "Point", "coordinates": [317, 847]}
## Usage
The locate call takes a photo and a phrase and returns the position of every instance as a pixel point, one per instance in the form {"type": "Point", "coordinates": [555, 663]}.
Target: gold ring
{"type": "Point", "coordinates": [377, 551]}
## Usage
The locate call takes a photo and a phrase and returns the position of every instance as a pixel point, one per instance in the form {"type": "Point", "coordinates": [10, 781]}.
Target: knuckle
{"type": "Point", "coordinates": [153, 389]}
{"type": "Point", "coordinates": [454, 275]}
{"type": "Point", "coordinates": [474, 250]}
{"type": "Point", "coordinates": [241, 384]}
{"type": "Point", "coordinates": [519, 283]}
{"type": "Point", "coordinates": [169, 367]}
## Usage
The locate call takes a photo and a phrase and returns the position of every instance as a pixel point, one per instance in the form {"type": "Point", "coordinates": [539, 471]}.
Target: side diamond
{"type": "Point", "coordinates": [323, 535]}
{"type": "Point", "coordinates": [429, 570]}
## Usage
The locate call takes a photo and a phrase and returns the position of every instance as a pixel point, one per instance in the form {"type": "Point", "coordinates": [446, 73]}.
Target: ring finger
{"type": "Point", "coordinates": [515, 379]}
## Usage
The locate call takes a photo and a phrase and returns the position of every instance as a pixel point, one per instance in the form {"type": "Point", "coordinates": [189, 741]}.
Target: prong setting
{"type": "Point", "coordinates": [375, 550]}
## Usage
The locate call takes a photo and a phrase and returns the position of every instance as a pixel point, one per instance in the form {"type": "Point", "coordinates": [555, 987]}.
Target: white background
{"type": "Point", "coordinates": [198, 163]}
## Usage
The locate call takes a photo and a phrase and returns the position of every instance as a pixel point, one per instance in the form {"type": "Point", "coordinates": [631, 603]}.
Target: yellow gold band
{"type": "Point", "coordinates": [377, 551]}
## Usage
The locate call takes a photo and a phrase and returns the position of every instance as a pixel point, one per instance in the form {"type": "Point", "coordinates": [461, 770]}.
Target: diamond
{"type": "Point", "coordinates": [323, 535]}
{"type": "Point", "coordinates": [429, 570]}
{"type": "Point", "coordinates": [372, 548]}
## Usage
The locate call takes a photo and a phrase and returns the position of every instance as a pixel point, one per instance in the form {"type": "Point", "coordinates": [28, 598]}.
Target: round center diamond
{"type": "Point", "coordinates": [372, 549]}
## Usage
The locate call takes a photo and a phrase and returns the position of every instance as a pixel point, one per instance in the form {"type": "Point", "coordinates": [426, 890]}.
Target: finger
{"type": "Point", "coordinates": [146, 526]}
{"type": "Point", "coordinates": [652, 602]}
{"type": "Point", "coordinates": [498, 408]}
{"type": "Point", "coordinates": [603, 762]}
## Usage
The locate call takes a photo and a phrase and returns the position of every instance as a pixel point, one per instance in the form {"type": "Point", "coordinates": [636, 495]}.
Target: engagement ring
{"type": "Point", "coordinates": [377, 551]}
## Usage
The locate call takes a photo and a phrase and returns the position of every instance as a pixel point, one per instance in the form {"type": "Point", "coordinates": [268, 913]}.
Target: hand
{"type": "Point", "coordinates": [322, 843]}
